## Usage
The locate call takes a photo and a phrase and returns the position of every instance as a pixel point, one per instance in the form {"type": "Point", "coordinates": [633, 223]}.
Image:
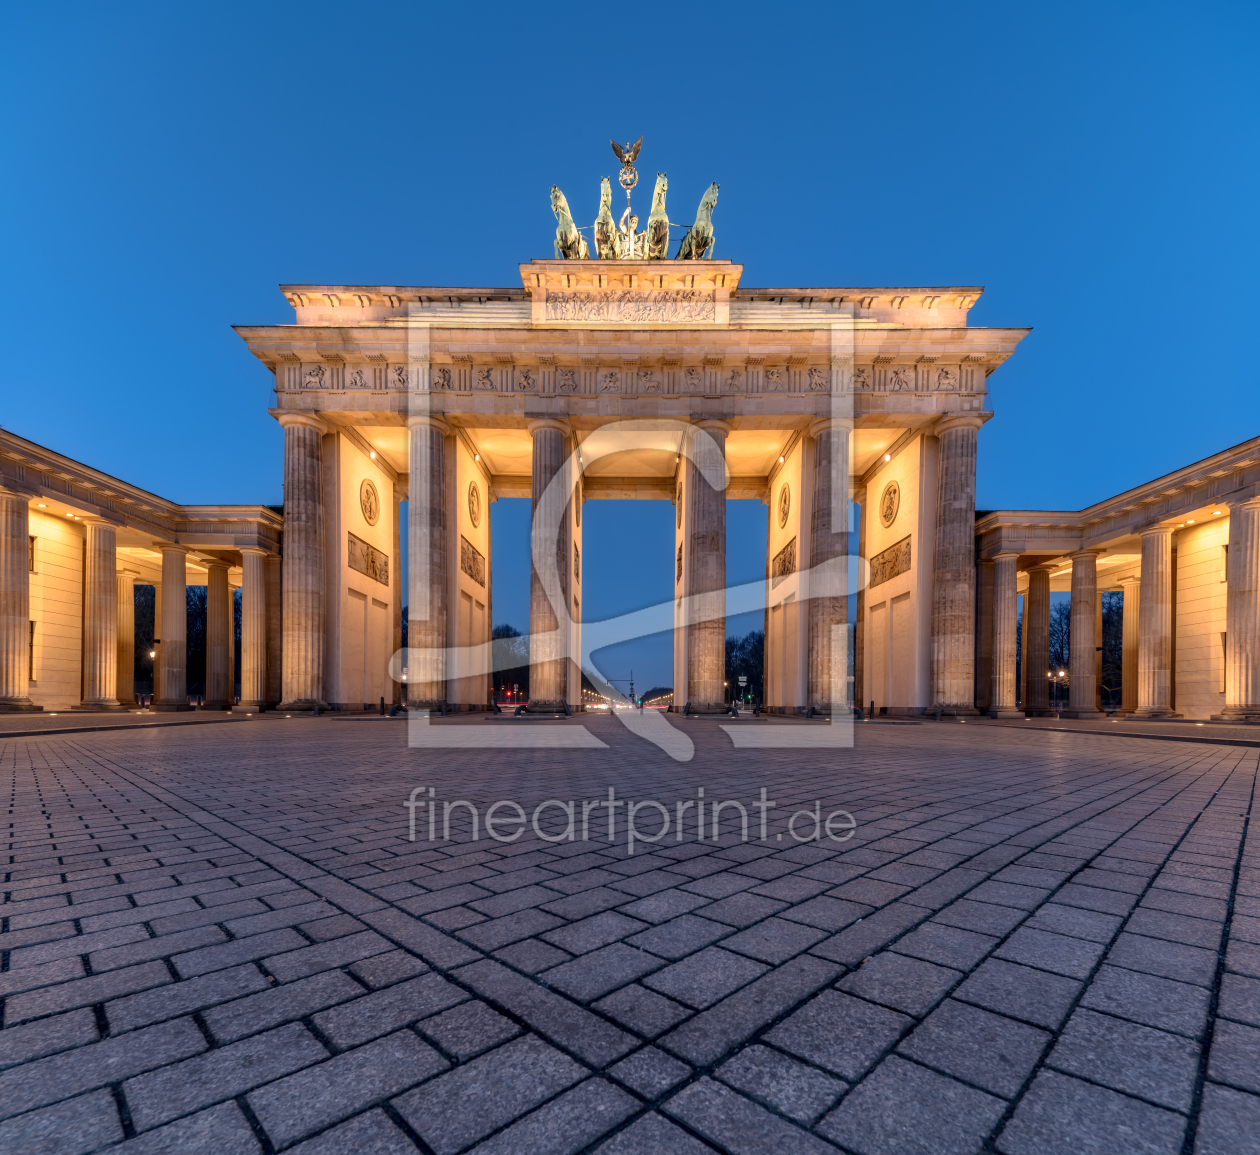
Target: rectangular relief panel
{"type": "Point", "coordinates": [893, 561]}
{"type": "Point", "coordinates": [471, 561]}
{"type": "Point", "coordinates": [367, 560]}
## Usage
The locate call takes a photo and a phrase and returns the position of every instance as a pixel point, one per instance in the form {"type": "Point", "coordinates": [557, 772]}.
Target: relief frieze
{"type": "Point", "coordinates": [667, 305]}
{"type": "Point", "coordinates": [890, 563]}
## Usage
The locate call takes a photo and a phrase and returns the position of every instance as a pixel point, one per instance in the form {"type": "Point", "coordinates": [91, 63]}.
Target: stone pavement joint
{"type": "Point", "coordinates": [221, 938]}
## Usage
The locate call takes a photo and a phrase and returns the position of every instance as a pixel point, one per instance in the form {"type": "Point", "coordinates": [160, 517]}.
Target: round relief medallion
{"type": "Point", "coordinates": [785, 505]}
{"type": "Point", "coordinates": [889, 503]}
{"type": "Point", "coordinates": [369, 502]}
{"type": "Point", "coordinates": [678, 507]}
{"type": "Point", "coordinates": [474, 505]}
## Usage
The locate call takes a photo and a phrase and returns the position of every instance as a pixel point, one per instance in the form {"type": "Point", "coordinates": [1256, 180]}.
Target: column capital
{"type": "Point", "coordinates": [1043, 567]}
{"type": "Point", "coordinates": [548, 423]}
{"type": "Point", "coordinates": [310, 420]}
{"type": "Point", "coordinates": [958, 421]}
{"type": "Point", "coordinates": [170, 547]}
{"type": "Point", "coordinates": [427, 420]}
{"type": "Point", "coordinates": [826, 424]}
{"type": "Point", "coordinates": [1240, 502]}
{"type": "Point", "coordinates": [1004, 555]}
{"type": "Point", "coordinates": [1084, 553]}
{"type": "Point", "coordinates": [1157, 531]}
{"type": "Point", "coordinates": [706, 423]}
{"type": "Point", "coordinates": [212, 562]}
{"type": "Point", "coordinates": [254, 549]}
{"type": "Point", "coordinates": [1131, 580]}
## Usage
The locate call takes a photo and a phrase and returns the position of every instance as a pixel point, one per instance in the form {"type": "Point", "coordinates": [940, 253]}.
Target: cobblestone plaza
{"type": "Point", "coordinates": [220, 938]}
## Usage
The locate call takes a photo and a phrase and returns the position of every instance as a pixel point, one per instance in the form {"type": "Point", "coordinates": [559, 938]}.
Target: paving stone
{"type": "Point", "coordinates": [653, 1135]}
{"type": "Point", "coordinates": [594, 974]}
{"type": "Point", "coordinates": [905, 1109]}
{"type": "Point", "coordinates": [1059, 953]}
{"type": "Point", "coordinates": [775, 940]}
{"type": "Point", "coordinates": [73, 1127]}
{"type": "Point", "coordinates": [793, 888]}
{"type": "Point", "coordinates": [1229, 1123]}
{"type": "Point", "coordinates": [511, 928]}
{"type": "Point", "coordinates": [720, 885]}
{"type": "Point", "coordinates": [373, 1133]}
{"type": "Point", "coordinates": [1020, 992]}
{"type": "Point", "coordinates": [594, 932]}
{"type": "Point", "coordinates": [1064, 1116]}
{"type": "Point", "coordinates": [1175, 928]}
{"type": "Point", "coordinates": [437, 949]}
{"type": "Point", "coordinates": [383, 969]}
{"type": "Point", "coordinates": [280, 1004]}
{"type": "Point", "coordinates": [946, 945]}
{"type": "Point", "coordinates": [468, 1029]}
{"type": "Point", "coordinates": [568, 1123]}
{"type": "Point", "coordinates": [679, 937]}
{"type": "Point", "coordinates": [1192, 904]}
{"type": "Point", "coordinates": [165, 1094]}
{"type": "Point", "coordinates": [1240, 999]}
{"type": "Point", "coordinates": [47, 1036]}
{"type": "Point", "coordinates": [210, 1132]}
{"type": "Point", "coordinates": [1187, 964]}
{"type": "Point", "coordinates": [1148, 999]}
{"type": "Point", "coordinates": [166, 1002]}
{"type": "Point", "coordinates": [552, 1016]}
{"type": "Point", "coordinates": [97, 1064]}
{"type": "Point", "coordinates": [1087, 924]}
{"type": "Point", "coordinates": [707, 976]}
{"type": "Point", "coordinates": [864, 938]}
{"type": "Point", "coordinates": [1094, 898]}
{"type": "Point", "coordinates": [905, 984]}
{"type": "Point", "coordinates": [308, 1101]}
{"type": "Point", "coordinates": [991, 1051]}
{"type": "Point", "coordinates": [1243, 958]}
{"type": "Point", "coordinates": [453, 1111]}
{"type": "Point", "coordinates": [650, 1072]}
{"type": "Point", "coordinates": [840, 1033]}
{"type": "Point", "coordinates": [801, 1093]}
{"type": "Point", "coordinates": [642, 1011]}
{"type": "Point", "coordinates": [1137, 1060]}
{"type": "Point", "coordinates": [739, 1125]}
{"type": "Point", "coordinates": [664, 905]}
{"type": "Point", "coordinates": [370, 1016]}
{"type": "Point", "coordinates": [229, 954]}
{"type": "Point", "coordinates": [983, 917]}
{"type": "Point", "coordinates": [1235, 1056]}
{"type": "Point", "coordinates": [531, 956]}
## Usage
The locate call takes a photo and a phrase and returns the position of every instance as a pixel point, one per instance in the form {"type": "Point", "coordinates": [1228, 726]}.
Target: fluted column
{"type": "Point", "coordinates": [275, 632]}
{"type": "Point", "coordinates": [1004, 619]}
{"type": "Point", "coordinates": [1037, 636]}
{"type": "Point", "coordinates": [218, 610]}
{"type": "Point", "coordinates": [1129, 644]}
{"type": "Point", "coordinates": [1082, 671]}
{"type": "Point", "coordinates": [706, 633]}
{"type": "Point", "coordinates": [1023, 651]}
{"type": "Point", "coordinates": [548, 632]}
{"type": "Point", "coordinates": [1242, 614]}
{"type": "Point", "coordinates": [15, 604]}
{"type": "Point", "coordinates": [125, 678]}
{"type": "Point", "coordinates": [172, 673]}
{"type": "Point", "coordinates": [100, 617]}
{"type": "Point", "coordinates": [427, 563]}
{"type": "Point", "coordinates": [829, 568]}
{"type": "Point", "coordinates": [1155, 627]}
{"type": "Point", "coordinates": [954, 570]}
{"type": "Point", "coordinates": [303, 570]}
{"type": "Point", "coordinates": [253, 630]}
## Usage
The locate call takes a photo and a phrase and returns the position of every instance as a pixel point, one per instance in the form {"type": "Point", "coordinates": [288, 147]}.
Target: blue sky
{"type": "Point", "coordinates": [1093, 165]}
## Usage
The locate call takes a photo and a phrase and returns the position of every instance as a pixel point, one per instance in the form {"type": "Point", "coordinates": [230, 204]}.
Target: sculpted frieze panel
{"type": "Point", "coordinates": [681, 305]}
{"type": "Point", "coordinates": [890, 563]}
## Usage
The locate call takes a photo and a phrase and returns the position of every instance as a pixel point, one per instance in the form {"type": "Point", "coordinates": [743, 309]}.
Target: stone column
{"type": "Point", "coordinates": [218, 618]}
{"type": "Point", "coordinates": [548, 631]}
{"type": "Point", "coordinates": [427, 563]}
{"type": "Point", "coordinates": [253, 630]}
{"type": "Point", "coordinates": [1037, 639]}
{"type": "Point", "coordinates": [1155, 627]}
{"type": "Point", "coordinates": [303, 569]}
{"type": "Point", "coordinates": [829, 568]}
{"type": "Point", "coordinates": [982, 694]}
{"type": "Point", "coordinates": [172, 673]}
{"type": "Point", "coordinates": [125, 678]}
{"type": "Point", "coordinates": [274, 626]}
{"type": "Point", "coordinates": [1082, 677]}
{"type": "Point", "coordinates": [1129, 645]}
{"type": "Point", "coordinates": [706, 632]}
{"type": "Point", "coordinates": [954, 569]}
{"type": "Point", "coordinates": [1023, 651]}
{"type": "Point", "coordinates": [231, 642]}
{"type": "Point", "coordinates": [1098, 654]}
{"type": "Point", "coordinates": [395, 589]}
{"type": "Point", "coordinates": [1004, 614]}
{"type": "Point", "coordinates": [100, 617]}
{"type": "Point", "coordinates": [1242, 614]}
{"type": "Point", "coordinates": [15, 604]}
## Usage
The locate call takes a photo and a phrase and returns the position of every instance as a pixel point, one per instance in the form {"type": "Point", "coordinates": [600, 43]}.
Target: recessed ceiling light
{"type": "Point", "coordinates": [781, 458]}
{"type": "Point", "coordinates": [1216, 513]}
{"type": "Point", "coordinates": [42, 505]}
{"type": "Point", "coordinates": [887, 456]}
{"type": "Point", "coordinates": [476, 456]}
{"type": "Point", "coordinates": [372, 455]}
{"type": "Point", "coordinates": [1190, 522]}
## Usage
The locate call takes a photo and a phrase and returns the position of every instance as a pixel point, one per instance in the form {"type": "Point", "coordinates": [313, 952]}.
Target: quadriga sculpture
{"type": "Point", "coordinates": [570, 244]}
{"type": "Point", "coordinates": [697, 241]}
{"type": "Point", "coordinates": [658, 222]}
{"type": "Point", "coordinates": [605, 226]}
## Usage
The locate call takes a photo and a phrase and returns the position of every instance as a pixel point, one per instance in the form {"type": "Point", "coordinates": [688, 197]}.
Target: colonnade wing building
{"type": "Point", "coordinates": [1185, 551]}
{"type": "Point", "coordinates": [631, 379]}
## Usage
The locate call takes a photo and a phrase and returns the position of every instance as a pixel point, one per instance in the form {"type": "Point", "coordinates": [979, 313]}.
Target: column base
{"type": "Point", "coordinates": [1079, 714]}
{"type": "Point", "coordinates": [952, 711]}
{"type": "Point", "coordinates": [248, 708]}
{"type": "Point", "coordinates": [1012, 713]}
{"type": "Point", "coordinates": [1152, 715]}
{"type": "Point", "coordinates": [170, 707]}
{"type": "Point", "coordinates": [19, 706]}
{"type": "Point", "coordinates": [224, 705]}
{"type": "Point", "coordinates": [304, 706]}
{"type": "Point", "coordinates": [538, 707]}
{"type": "Point", "coordinates": [1240, 715]}
{"type": "Point", "coordinates": [100, 708]}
